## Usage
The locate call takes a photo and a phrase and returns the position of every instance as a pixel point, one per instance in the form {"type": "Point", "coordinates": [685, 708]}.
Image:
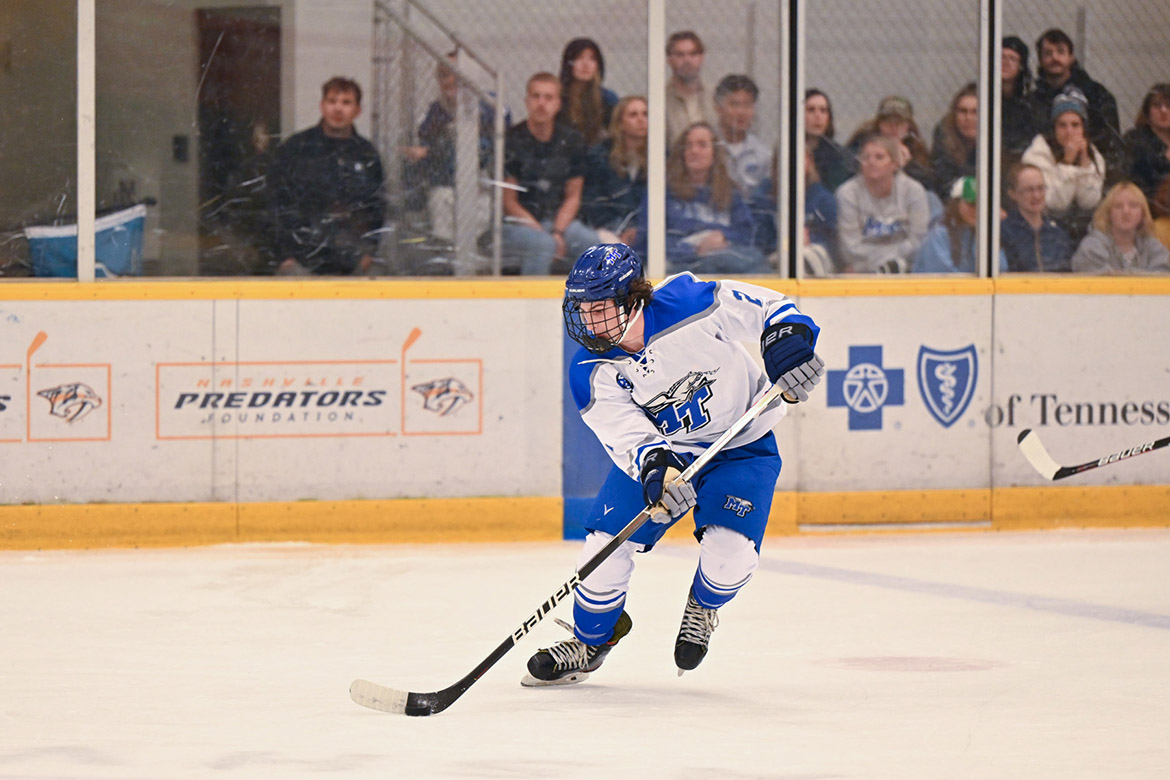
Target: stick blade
{"type": "Point", "coordinates": [378, 697]}
{"type": "Point", "coordinates": [1034, 451]}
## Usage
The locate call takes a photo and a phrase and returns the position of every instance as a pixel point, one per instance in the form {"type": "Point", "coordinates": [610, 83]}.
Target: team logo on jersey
{"type": "Point", "coordinates": [866, 388]}
{"type": "Point", "coordinates": [947, 381]}
{"type": "Point", "coordinates": [71, 401]}
{"type": "Point", "coordinates": [741, 506]}
{"type": "Point", "coordinates": [443, 396]}
{"type": "Point", "coordinates": [684, 405]}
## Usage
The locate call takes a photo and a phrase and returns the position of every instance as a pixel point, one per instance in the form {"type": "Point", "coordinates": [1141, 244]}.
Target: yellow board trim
{"type": "Point", "coordinates": [402, 521]}
{"type": "Point", "coordinates": [511, 287]}
{"type": "Point", "coordinates": [415, 521]}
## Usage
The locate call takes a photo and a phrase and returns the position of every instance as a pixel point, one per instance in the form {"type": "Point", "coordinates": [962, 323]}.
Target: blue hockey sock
{"type": "Point", "coordinates": [727, 560]}
{"type": "Point", "coordinates": [594, 628]}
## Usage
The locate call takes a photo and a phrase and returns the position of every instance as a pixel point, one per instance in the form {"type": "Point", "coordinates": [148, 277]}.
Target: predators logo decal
{"type": "Point", "coordinates": [443, 396]}
{"type": "Point", "coordinates": [71, 401]}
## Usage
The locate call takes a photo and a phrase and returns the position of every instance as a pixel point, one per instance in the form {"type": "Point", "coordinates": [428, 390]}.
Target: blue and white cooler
{"type": "Point", "coordinates": [118, 246]}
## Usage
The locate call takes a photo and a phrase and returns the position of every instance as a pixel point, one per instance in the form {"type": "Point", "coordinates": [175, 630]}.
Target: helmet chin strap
{"type": "Point", "coordinates": [630, 320]}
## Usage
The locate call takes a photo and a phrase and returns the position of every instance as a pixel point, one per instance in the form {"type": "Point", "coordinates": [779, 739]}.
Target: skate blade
{"type": "Point", "coordinates": [529, 681]}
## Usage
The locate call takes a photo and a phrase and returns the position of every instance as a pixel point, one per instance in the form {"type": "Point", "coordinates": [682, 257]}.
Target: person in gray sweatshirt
{"type": "Point", "coordinates": [1120, 241]}
{"type": "Point", "coordinates": [882, 214]}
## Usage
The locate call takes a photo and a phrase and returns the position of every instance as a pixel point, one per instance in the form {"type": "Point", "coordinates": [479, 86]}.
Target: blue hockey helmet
{"type": "Point", "coordinates": [603, 272]}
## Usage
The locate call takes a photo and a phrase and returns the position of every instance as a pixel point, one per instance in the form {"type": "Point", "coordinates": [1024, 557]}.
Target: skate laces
{"type": "Point", "coordinates": [569, 653]}
{"type": "Point", "coordinates": [698, 623]}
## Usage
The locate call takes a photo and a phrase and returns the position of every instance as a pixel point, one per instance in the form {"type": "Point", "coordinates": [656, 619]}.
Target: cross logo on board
{"type": "Point", "coordinates": [866, 387]}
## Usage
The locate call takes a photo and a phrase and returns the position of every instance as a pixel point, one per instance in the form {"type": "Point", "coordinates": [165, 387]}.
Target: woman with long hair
{"type": "Point", "coordinates": [953, 154]}
{"type": "Point", "coordinates": [1074, 170]}
{"type": "Point", "coordinates": [615, 183]}
{"type": "Point", "coordinates": [1120, 241]}
{"type": "Point", "coordinates": [708, 225]}
{"type": "Point", "coordinates": [834, 163]}
{"type": "Point", "coordinates": [882, 214]}
{"type": "Point", "coordinates": [586, 105]}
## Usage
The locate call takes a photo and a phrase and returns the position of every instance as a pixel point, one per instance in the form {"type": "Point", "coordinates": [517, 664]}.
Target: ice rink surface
{"type": "Point", "coordinates": [984, 655]}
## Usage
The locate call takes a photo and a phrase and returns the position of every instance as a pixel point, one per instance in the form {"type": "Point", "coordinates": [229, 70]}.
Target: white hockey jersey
{"type": "Point", "coordinates": [693, 378]}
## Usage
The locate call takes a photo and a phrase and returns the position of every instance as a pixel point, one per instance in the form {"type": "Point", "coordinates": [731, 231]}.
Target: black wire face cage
{"type": "Point", "coordinates": [580, 331]}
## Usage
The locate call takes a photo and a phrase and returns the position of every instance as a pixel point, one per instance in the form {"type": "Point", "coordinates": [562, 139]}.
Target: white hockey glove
{"type": "Point", "coordinates": [790, 361]}
{"type": "Point", "coordinates": [669, 497]}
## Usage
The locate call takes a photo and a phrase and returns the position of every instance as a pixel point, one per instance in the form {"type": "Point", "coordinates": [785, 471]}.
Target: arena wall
{"type": "Point", "coordinates": [175, 413]}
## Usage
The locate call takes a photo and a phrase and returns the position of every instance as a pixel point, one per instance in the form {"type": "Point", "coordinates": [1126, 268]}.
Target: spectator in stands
{"type": "Point", "coordinates": [327, 190]}
{"type": "Point", "coordinates": [950, 245]}
{"type": "Point", "coordinates": [1059, 72]}
{"type": "Point", "coordinates": [820, 219]}
{"type": "Point", "coordinates": [615, 180]}
{"type": "Point", "coordinates": [546, 160]}
{"type": "Point", "coordinates": [895, 119]}
{"type": "Point", "coordinates": [1074, 170]}
{"type": "Point", "coordinates": [1030, 238]}
{"type": "Point", "coordinates": [1147, 145]}
{"type": "Point", "coordinates": [834, 164]}
{"type": "Point", "coordinates": [586, 105]}
{"type": "Point", "coordinates": [952, 155]}
{"type": "Point", "coordinates": [1120, 241]}
{"type": "Point", "coordinates": [1160, 209]}
{"type": "Point", "coordinates": [433, 158]}
{"type": "Point", "coordinates": [687, 100]}
{"type": "Point", "coordinates": [1017, 116]}
{"type": "Point", "coordinates": [708, 225]}
{"type": "Point", "coordinates": [882, 214]}
{"type": "Point", "coordinates": [749, 159]}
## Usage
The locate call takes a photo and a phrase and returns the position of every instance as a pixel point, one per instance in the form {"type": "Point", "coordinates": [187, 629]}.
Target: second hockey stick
{"type": "Point", "coordinates": [1044, 463]}
{"type": "Point", "coordinates": [381, 697]}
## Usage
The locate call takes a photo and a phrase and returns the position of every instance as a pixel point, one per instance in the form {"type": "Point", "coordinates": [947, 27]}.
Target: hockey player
{"type": "Point", "coordinates": [661, 375]}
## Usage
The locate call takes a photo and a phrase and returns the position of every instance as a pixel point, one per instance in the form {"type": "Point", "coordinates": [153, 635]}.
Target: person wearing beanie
{"type": "Point", "coordinates": [1018, 117]}
{"type": "Point", "coordinates": [1059, 71]}
{"type": "Point", "coordinates": [1073, 168]}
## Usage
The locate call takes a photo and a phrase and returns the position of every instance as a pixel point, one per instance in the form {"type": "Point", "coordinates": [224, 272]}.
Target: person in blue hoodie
{"type": "Point", "coordinates": [709, 226]}
{"type": "Point", "coordinates": [950, 245]}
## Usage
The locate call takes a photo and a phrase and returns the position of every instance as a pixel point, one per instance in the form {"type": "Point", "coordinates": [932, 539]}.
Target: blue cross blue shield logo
{"type": "Point", "coordinates": [947, 381]}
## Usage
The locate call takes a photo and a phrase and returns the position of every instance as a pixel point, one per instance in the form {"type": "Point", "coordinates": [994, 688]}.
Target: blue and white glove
{"type": "Point", "coordinates": [667, 497]}
{"type": "Point", "coordinates": [787, 348]}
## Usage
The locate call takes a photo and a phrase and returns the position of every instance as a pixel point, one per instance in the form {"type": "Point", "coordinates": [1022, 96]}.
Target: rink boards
{"type": "Point", "coordinates": [196, 412]}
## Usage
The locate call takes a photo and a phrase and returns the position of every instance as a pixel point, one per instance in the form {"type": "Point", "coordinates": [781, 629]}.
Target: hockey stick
{"type": "Point", "coordinates": [1038, 456]}
{"type": "Point", "coordinates": [380, 697]}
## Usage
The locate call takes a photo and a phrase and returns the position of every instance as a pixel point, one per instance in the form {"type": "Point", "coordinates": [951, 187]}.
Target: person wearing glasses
{"type": "Point", "coordinates": [1029, 237]}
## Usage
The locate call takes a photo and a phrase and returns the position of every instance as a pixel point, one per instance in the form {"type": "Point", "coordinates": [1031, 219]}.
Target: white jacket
{"type": "Point", "coordinates": [1070, 187]}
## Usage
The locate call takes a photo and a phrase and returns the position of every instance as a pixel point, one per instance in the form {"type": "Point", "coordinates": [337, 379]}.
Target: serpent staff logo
{"type": "Point", "coordinates": [946, 381]}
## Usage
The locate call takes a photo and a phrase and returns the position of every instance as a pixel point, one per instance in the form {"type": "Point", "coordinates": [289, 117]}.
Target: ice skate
{"type": "Point", "coordinates": [694, 634]}
{"type": "Point", "coordinates": [571, 660]}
